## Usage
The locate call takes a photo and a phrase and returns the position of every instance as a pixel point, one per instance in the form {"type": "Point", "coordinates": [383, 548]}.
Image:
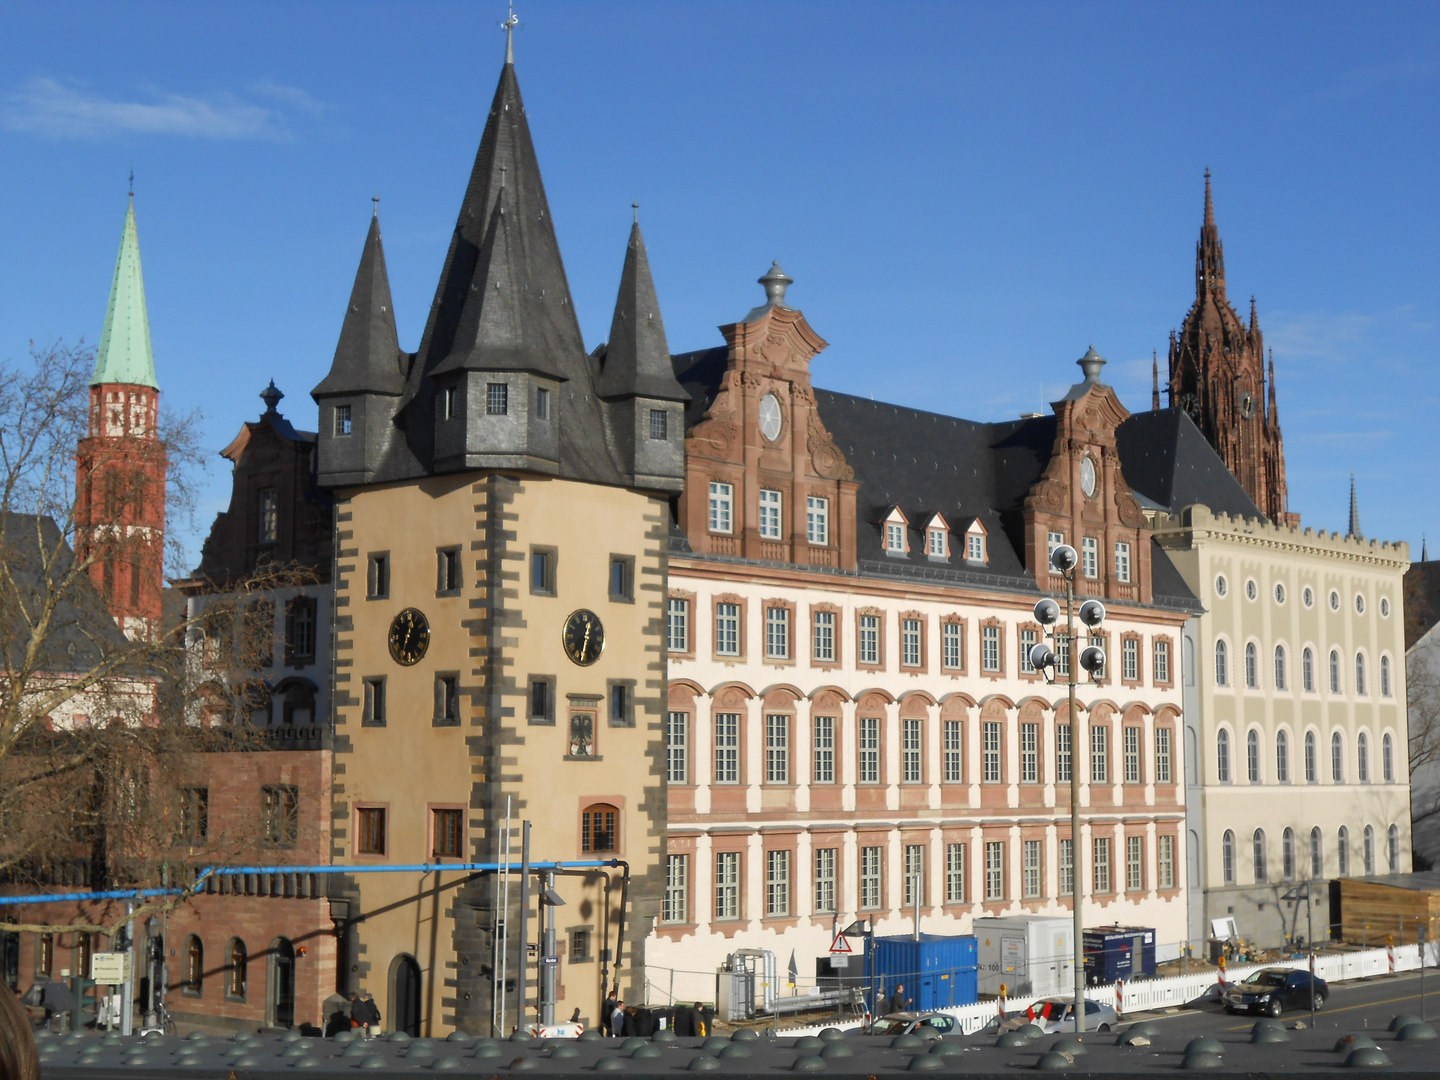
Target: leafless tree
{"type": "Point", "coordinates": [1422, 693]}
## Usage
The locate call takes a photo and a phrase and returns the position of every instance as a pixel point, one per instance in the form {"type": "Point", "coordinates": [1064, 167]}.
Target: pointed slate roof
{"type": "Point", "coordinates": [637, 359]}
{"type": "Point", "coordinates": [1168, 460]}
{"type": "Point", "coordinates": [367, 357]}
{"type": "Point", "coordinates": [124, 355]}
{"type": "Point", "coordinates": [1354, 529]}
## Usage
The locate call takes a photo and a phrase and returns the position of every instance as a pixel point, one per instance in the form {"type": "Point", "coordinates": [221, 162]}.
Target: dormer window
{"type": "Point", "coordinates": [895, 526]}
{"type": "Point", "coordinates": [935, 543]}
{"type": "Point", "coordinates": [342, 419]}
{"type": "Point", "coordinates": [975, 545]}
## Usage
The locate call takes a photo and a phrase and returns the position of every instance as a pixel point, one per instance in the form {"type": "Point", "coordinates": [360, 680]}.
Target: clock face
{"type": "Point", "coordinates": [1087, 477]}
{"type": "Point", "coordinates": [770, 419]}
{"type": "Point", "coordinates": [1190, 405]}
{"type": "Point", "coordinates": [409, 636]}
{"type": "Point", "coordinates": [583, 637]}
{"type": "Point", "coordinates": [1247, 405]}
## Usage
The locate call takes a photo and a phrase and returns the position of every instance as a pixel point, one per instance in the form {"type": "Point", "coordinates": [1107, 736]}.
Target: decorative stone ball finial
{"type": "Point", "coordinates": [1090, 364]}
{"type": "Point", "coordinates": [271, 395]}
{"type": "Point", "coordinates": [776, 281]}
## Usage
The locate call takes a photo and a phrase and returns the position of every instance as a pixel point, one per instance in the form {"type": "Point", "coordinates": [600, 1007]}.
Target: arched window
{"type": "Point", "coordinates": [1384, 676]}
{"type": "Point", "coordinates": [1362, 758]}
{"type": "Point", "coordinates": [1252, 667]}
{"type": "Point", "coordinates": [1279, 667]}
{"type": "Point", "coordinates": [1334, 671]}
{"type": "Point", "coordinates": [1310, 766]}
{"type": "Point", "coordinates": [598, 828]}
{"type": "Point", "coordinates": [1222, 756]}
{"type": "Point", "coordinates": [1337, 758]}
{"type": "Point", "coordinates": [1258, 854]}
{"type": "Point", "coordinates": [1282, 758]}
{"type": "Point", "coordinates": [1360, 673]}
{"type": "Point", "coordinates": [1287, 853]}
{"type": "Point", "coordinates": [1227, 857]}
{"type": "Point", "coordinates": [194, 965]}
{"type": "Point", "coordinates": [1252, 755]}
{"type": "Point", "coordinates": [235, 971]}
{"type": "Point", "coordinates": [1387, 758]}
{"type": "Point", "coordinates": [1307, 670]}
{"type": "Point", "coordinates": [1222, 676]}
{"type": "Point", "coordinates": [1317, 853]}
{"type": "Point", "coordinates": [1368, 851]}
{"type": "Point", "coordinates": [1342, 843]}
{"type": "Point", "coordinates": [1392, 849]}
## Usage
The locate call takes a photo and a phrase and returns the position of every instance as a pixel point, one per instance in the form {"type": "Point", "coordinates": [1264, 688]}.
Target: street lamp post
{"type": "Point", "coordinates": [1092, 659]}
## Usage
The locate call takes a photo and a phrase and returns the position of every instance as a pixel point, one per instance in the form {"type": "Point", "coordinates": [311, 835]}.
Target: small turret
{"type": "Point", "coordinates": [1354, 528]}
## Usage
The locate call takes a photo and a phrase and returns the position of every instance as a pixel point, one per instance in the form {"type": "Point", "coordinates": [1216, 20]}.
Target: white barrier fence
{"type": "Point", "coordinates": [1144, 995]}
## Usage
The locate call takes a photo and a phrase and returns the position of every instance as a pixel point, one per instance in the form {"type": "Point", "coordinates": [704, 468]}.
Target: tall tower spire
{"type": "Point", "coordinates": [124, 355]}
{"type": "Point", "coordinates": [1354, 529]}
{"type": "Point", "coordinates": [1154, 379]}
{"type": "Point", "coordinates": [1209, 254]}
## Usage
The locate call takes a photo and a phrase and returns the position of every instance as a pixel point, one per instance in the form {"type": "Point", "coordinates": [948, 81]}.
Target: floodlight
{"type": "Point", "coordinates": [1040, 656]}
{"type": "Point", "coordinates": [1092, 659]}
{"type": "Point", "coordinates": [1047, 611]}
{"type": "Point", "coordinates": [1063, 558]}
{"type": "Point", "coordinates": [1092, 613]}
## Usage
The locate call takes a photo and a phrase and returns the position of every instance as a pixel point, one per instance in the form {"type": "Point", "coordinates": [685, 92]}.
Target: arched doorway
{"type": "Point", "coordinates": [405, 996]}
{"type": "Point", "coordinates": [281, 1003]}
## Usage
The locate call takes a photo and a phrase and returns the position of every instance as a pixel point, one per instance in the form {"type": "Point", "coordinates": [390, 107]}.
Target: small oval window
{"type": "Point", "coordinates": [1279, 593]}
{"type": "Point", "coordinates": [1220, 585]}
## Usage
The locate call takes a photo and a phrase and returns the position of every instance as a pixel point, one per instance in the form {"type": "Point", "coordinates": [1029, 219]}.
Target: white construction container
{"type": "Point", "coordinates": [1031, 955]}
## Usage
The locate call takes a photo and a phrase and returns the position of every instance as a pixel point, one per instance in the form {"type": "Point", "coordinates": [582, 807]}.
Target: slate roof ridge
{"type": "Point", "coordinates": [367, 358]}
{"type": "Point", "coordinates": [637, 358]}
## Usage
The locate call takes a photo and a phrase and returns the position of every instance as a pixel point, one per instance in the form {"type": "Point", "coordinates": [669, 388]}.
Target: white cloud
{"type": "Point", "coordinates": [55, 109]}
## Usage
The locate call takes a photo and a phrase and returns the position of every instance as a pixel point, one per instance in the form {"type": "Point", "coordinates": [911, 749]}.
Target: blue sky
{"type": "Point", "coordinates": [967, 194]}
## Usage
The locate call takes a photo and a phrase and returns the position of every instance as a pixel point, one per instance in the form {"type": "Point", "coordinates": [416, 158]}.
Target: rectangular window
{"type": "Point", "coordinates": [995, 870]}
{"type": "Point", "coordinates": [727, 629]}
{"type": "Point", "coordinates": [268, 517]}
{"type": "Point", "coordinates": [1102, 865]}
{"type": "Point", "coordinates": [1099, 755]}
{"type": "Point", "coordinates": [1067, 868]}
{"type": "Point", "coordinates": [777, 749]}
{"type": "Point", "coordinates": [769, 515]}
{"type": "Point", "coordinates": [497, 399]}
{"type": "Point", "coordinates": [1162, 755]}
{"type": "Point", "coordinates": [1122, 561]}
{"type": "Point", "coordinates": [1029, 753]}
{"type": "Point", "coordinates": [622, 578]}
{"type": "Point", "coordinates": [622, 700]}
{"type": "Point", "coordinates": [542, 403]}
{"type": "Point", "coordinates": [817, 520]}
{"type": "Point", "coordinates": [777, 633]}
{"type": "Point", "coordinates": [1132, 755]}
{"type": "Point", "coordinates": [342, 420]}
{"type": "Point", "coordinates": [991, 748]}
{"type": "Point", "coordinates": [542, 699]}
{"type": "Point", "coordinates": [1033, 876]}
{"type": "Point", "coordinates": [1162, 661]}
{"type": "Point", "coordinates": [375, 701]}
{"type": "Point", "coordinates": [299, 631]}
{"type": "Point", "coordinates": [824, 766]}
{"type": "Point", "coordinates": [895, 537]}
{"type": "Point", "coordinates": [870, 870]}
{"type": "Point", "coordinates": [825, 880]}
{"type": "Point", "coordinates": [370, 830]}
{"type": "Point", "coordinates": [912, 766]}
{"type": "Point", "coordinates": [542, 572]}
{"type": "Point", "coordinates": [579, 946]}
{"type": "Point", "coordinates": [914, 874]}
{"type": "Point", "coordinates": [677, 882]}
{"type": "Point", "coordinates": [447, 570]}
{"type": "Point", "coordinates": [1130, 659]}
{"type": "Point", "coordinates": [868, 646]}
{"type": "Point", "coordinates": [955, 873]}
{"type": "Point", "coordinates": [597, 829]}
{"type": "Point", "coordinates": [377, 578]}
{"type": "Point", "coordinates": [777, 883]}
{"type": "Point", "coordinates": [1165, 860]}
{"type": "Point", "coordinates": [1090, 557]}
{"type": "Point", "coordinates": [990, 648]}
{"type": "Point", "coordinates": [721, 506]}
{"type": "Point", "coordinates": [677, 625]}
{"type": "Point", "coordinates": [281, 803]}
{"type": "Point", "coordinates": [448, 827]}
{"type": "Point", "coordinates": [1062, 753]}
{"type": "Point", "coordinates": [1062, 655]}
{"type": "Point", "coordinates": [952, 642]}
{"type": "Point", "coordinates": [1052, 541]}
{"type": "Point", "coordinates": [447, 699]}
{"type": "Point", "coordinates": [194, 813]}
{"type": "Point", "coordinates": [954, 751]}
{"type": "Point", "coordinates": [727, 748]}
{"type": "Point", "coordinates": [659, 425]}
{"type": "Point", "coordinates": [1134, 863]}
{"type": "Point", "coordinates": [449, 403]}
{"type": "Point", "coordinates": [869, 759]}
{"type": "Point", "coordinates": [975, 547]}
{"type": "Point", "coordinates": [1028, 640]}
{"type": "Point", "coordinates": [727, 885]}
{"type": "Point", "coordinates": [910, 638]}
{"type": "Point", "coordinates": [823, 639]}
{"type": "Point", "coordinates": [677, 748]}
{"type": "Point", "coordinates": [936, 539]}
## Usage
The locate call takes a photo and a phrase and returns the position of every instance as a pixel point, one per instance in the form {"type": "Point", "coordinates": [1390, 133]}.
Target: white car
{"type": "Point", "coordinates": [1058, 1014]}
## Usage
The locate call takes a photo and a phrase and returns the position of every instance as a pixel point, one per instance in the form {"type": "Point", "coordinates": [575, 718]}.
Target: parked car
{"type": "Point", "coordinates": [1058, 1014]}
{"type": "Point", "coordinates": [906, 1023]}
{"type": "Point", "coordinates": [1271, 990]}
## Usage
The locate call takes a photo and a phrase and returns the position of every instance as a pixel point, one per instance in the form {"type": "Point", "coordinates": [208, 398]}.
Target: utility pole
{"type": "Point", "coordinates": [127, 990]}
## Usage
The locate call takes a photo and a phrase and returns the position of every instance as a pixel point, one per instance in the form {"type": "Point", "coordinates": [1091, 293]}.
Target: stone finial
{"type": "Point", "coordinates": [1090, 364]}
{"type": "Point", "coordinates": [776, 281]}
{"type": "Point", "coordinates": [272, 396]}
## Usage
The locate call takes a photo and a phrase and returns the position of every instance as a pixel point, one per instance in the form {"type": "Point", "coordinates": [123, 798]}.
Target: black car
{"type": "Point", "coordinates": [1271, 990]}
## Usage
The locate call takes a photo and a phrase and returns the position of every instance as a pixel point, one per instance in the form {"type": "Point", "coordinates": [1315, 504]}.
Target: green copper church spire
{"type": "Point", "coordinates": [124, 355]}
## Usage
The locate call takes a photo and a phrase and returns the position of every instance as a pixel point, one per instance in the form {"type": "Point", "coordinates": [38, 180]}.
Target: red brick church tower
{"type": "Point", "coordinates": [120, 465]}
{"type": "Point", "coordinates": [1218, 376]}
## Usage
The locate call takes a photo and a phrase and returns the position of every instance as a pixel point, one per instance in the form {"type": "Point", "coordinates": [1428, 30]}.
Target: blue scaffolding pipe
{"type": "Point", "coordinates": [231, 871]}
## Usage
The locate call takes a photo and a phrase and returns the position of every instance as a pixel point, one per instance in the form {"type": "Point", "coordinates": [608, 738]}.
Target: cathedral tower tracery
{"type": "Point", "coordinates": [1218, 376]}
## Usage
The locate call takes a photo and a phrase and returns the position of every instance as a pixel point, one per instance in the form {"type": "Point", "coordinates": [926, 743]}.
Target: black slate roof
{"type": "Point", "coordinates": [1166, 459]}
{"type": "Point", "coordinates": [368, 357]}
{"type": "Point", "coordinates": [637, 359]}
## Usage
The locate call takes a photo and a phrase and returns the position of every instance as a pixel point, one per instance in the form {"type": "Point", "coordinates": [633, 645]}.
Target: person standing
{"type": "Point", "coordinates": [366, 1015]}
{"type": "Point", "coordinates": [898, 1001]}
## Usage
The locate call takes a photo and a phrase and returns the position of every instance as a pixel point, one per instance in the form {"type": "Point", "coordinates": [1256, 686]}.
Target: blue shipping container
{"type": "Point", "coordinates": [1119, 952]}
{"type": "Point", "coordinates": [937, 972]}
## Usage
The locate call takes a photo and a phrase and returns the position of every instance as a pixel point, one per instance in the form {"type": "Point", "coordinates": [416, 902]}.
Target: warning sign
{"type": "Point", "coordinates": [840, 945]}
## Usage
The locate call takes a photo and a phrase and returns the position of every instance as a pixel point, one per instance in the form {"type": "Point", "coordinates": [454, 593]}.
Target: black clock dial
{"type": "Point", "coordinates": [1247, 405]}
{"type": "Point", "coordinates": [583, 637]}
{"type": "Point", "coordinates": [409, 636]}
{"type": "Point", "coordinates": [1190, 405]}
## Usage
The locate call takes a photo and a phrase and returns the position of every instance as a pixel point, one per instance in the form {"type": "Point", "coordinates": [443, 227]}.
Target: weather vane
{"type": "Point", "coordinates": [512, 22]}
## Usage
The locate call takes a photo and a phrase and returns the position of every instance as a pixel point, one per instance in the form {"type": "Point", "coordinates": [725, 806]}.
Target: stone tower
{"type": "Point", "coordinates": [120, 464]}
{"type": "Point", "coordinates": [1218, 376]}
